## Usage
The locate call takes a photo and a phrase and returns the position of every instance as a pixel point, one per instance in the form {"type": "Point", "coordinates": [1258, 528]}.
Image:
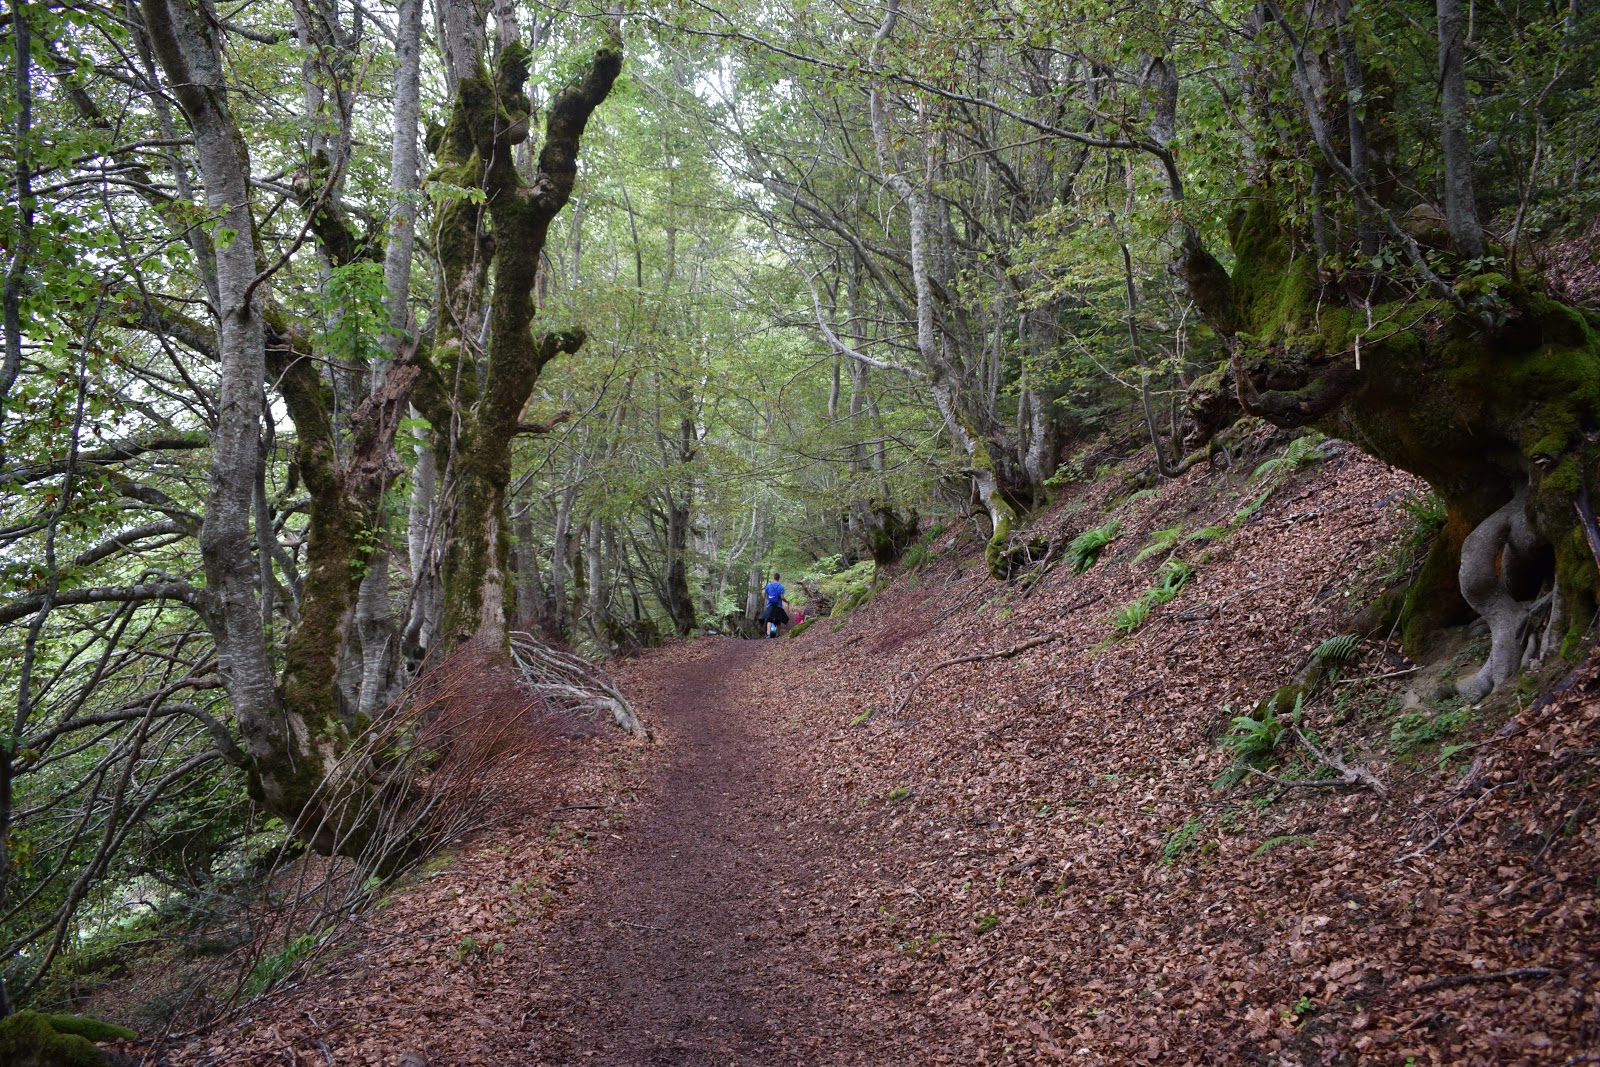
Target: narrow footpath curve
{"type": "Point", "coordinates": [693, 943]}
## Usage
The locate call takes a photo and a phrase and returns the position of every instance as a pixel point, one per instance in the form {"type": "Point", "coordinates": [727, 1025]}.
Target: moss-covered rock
{"type": "Point", "coordinates": [33, 1039]}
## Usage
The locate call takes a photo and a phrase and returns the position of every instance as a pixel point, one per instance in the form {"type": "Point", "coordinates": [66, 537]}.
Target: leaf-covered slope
{"type": "Point", "coordinates": [1040, 869]}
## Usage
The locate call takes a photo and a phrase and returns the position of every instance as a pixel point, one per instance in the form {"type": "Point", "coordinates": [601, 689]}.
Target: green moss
{"type": "Point", "coordinates": [1274, 287]}
{"type": "Point", "coordinates": [996, 553]}
{"type": "Point", "coordinates": [27, 1039]}
{"type": "Point", "coordinates": [93, 1029]}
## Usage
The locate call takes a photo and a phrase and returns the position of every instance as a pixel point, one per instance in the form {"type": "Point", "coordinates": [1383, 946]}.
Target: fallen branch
{"type": "Point", "coordinates": [1356, 775]}
{"type": "Point", "coordinates": [1511, 975]}
{"type": "Point", "coordinates": [1349, 775]}
{"type": "Point", "coordinates": [976, 657]}
{"type": "Point", "coordinates": [1449, 829]}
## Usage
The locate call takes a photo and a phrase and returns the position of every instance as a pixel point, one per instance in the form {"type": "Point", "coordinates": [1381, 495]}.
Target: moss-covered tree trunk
{"type": "Point", "coordinates": [294, 726]}
{"type": "Point", "coordinates": [1492, 398]}
{"type": "Point", "coordinates": [489, 242]}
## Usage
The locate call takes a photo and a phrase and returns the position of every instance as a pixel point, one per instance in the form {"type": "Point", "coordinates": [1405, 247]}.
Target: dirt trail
{"type": "Point", "coordinates": [691, 943]}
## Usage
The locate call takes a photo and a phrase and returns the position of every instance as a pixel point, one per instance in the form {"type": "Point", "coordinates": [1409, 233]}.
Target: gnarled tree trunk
{"type": "Point", "coordinates": [1497, 412]}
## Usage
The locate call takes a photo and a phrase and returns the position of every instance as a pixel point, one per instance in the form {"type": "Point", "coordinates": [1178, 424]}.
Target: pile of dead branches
{"type": "Point", "coordinates": [572, 683]}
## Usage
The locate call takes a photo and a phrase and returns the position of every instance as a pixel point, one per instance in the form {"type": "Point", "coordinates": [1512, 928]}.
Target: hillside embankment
{"type": "Point", "coordinates": [975, 824]}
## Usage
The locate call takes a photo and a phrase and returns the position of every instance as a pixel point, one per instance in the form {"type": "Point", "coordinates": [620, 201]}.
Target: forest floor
{"type": "Point", "coordinates": [848, 847]}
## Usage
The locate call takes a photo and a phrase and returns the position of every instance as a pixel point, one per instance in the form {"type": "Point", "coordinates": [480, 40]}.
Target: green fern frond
{"type": "Point", "coordinates": [1209, 533]}
{"type": "Point", "coordinates": [1130, 617]}
{"type": "Point", "coordinates": [1242, 516]}
{"type": "Point", "coordinates": [1174, 574]}
{"type": "Point", "coordinates": [1161, 542]}
{"type": "Point", "coordinates": [1085, 549]}
{"type": "Point", "coordinates": [1301, 451]}
{"type": "Point", "coordinates": [1428, 511]}
{"type": "Point", "coordinates": [1288, 839]}
{"type": "Point", "coordinates": [1337, 649]}
{"type": "Point", "coordinates": [1275, 465]}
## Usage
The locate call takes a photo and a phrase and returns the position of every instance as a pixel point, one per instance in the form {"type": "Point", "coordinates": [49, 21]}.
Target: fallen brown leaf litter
{"type": "Point", "coordinates": [835, 854]}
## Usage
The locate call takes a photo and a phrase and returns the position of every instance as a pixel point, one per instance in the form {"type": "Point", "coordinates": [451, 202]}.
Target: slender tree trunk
{"type": "Point", "coordinates": [1460, 205]}
{"type": "Point", "coordinates": [944, 375]}
{"type": "Point", "coordinates": [599, 607]}
{"type": "Point", "coordinates": [560, 564]}
{"type": "Point", "coordinates": [184, 43]}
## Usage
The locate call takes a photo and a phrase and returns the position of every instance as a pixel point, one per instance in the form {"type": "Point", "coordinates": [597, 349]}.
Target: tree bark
{"type": "Point", "coordinates": [1460, 205]}
{"type": "Point", "coordinates": [489, 118]}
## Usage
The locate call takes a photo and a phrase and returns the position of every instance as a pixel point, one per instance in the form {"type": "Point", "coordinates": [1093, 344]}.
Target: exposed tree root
{"type": "Point", "coordinates": [1493, 556]}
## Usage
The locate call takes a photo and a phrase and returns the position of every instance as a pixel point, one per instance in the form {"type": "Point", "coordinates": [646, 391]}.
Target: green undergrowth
{"type": "Point", "coordinates": [846, 588]}
{"type": "Point", "coordinates": [1085, 549]}
{"type": "Point", "coordinates": [922, 552]}
{"type": "Point", "coordinates": [1172, 576]}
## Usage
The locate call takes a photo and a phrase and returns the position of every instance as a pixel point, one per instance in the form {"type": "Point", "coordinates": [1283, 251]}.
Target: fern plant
{"type": "Point", "coordinates": [1301, 452]}
{"type": "Point", "coordinates": [1085, 549]}
{"type": "Point", "coordinates": [1337, 649]}
{"type": "Point", "coordinates": [1160, 544]}
{"type": "Point", "coordinates": [1428, 516]}
{"type": "Point", "coordinates": [1130, 617]}
{"type": "Point", "coordinates": [1172, 577]}
{"type": "Point", "coordinates": [1253, 742]}
{"type": "Point", "coordinates": [1170, 580]}
{"type": "Point", "coordinates": [1209, 533]}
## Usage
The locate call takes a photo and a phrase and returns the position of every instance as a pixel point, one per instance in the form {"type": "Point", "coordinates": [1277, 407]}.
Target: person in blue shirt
{"type": "Point", "coordinates": [776, 613]}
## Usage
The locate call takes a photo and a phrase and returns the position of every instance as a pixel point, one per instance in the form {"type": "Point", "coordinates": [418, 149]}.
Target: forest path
{"type": "Point", "coordinates": [690, 944]}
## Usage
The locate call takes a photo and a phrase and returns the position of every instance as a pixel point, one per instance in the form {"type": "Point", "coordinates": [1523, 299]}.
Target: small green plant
{"type": "Point", "coordinates": [864, 717]}
{"type": "Point", "coordinates": [1242, 516]}
{"type": "Point", "coordinates": [1418, 729]}
{"type": "Point", "coordinates": [899, 793]}
{"type": "Point", "coordinates": [1142, 494]}
{"type": "Point", "coordinates": [1085, 549]}
{"type": "Point", "coordinates": [1338, 649]}
{"type": "Point", "coordinates": [1161, 543]}
{"type": "Point", "coordinates": [922, 551]}
{"type": "Point", "coordinates": [986, 922]}
{"type": "Point", "coordinates": [272, 969]}
{"type": "Point", "coordinates": [1172, 576]}
{"type": "Point", "coordinates": [1302, 451]}
{"type": "Point", "coordinates": [1428, 516]}
{"type": "Point", "coordinates": [1182, 841]}
{"type": "Point", "coordinates": [1302, 1007]}
{"type": "Point", "coordinates": [468, 948]}
{"type": "Point", "coordinates": [1130, 617]}
{"type": "Point", "coordinates": [1209, 533]}
{"type": "Point", "coordinates": [1253, 742]}
{"type": "Point", "coordinates": [1272, 843]}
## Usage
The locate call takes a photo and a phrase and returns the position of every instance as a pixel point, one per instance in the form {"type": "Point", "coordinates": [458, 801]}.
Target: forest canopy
{"type": "Point", "coordinates": [341, 337]}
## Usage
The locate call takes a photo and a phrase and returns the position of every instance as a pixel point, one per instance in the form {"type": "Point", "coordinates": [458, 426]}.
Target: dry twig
{"type": "Point", "coordinates": [976, 657]}
{"type": "Point", "coordinates": [1511, 975]}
